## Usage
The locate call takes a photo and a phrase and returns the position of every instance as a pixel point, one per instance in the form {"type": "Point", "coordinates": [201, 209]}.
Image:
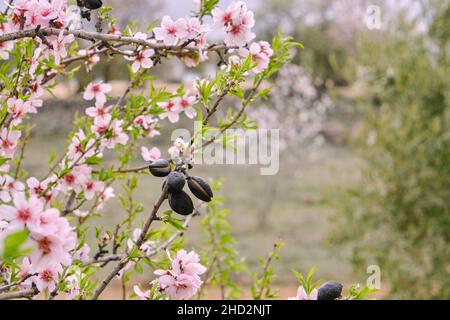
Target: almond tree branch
{"type": "Point", "coordinates": [27, 293]}
{"type": "Point", "coordinates": [139, 242]}
{"type": "Point", "coordinates": [96, 36]}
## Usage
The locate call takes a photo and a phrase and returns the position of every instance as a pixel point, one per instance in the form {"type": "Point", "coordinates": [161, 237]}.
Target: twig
{"type": "Point", "coordinates": [139, 242]}
{"type": "Point", "coordinates": [16, 283]}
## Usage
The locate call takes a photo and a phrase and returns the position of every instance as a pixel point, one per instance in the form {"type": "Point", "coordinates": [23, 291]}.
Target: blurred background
{"type": "Point", "coordinates": [364, 113]}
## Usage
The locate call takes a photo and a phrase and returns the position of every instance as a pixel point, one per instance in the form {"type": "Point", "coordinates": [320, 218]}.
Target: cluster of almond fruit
{"type": "Point", "coordinates": [179, 201]}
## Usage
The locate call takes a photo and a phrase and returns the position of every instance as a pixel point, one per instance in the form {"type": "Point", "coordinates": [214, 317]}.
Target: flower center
{"type": "Point", "coordinates": [24, 215]}
{"type": "Point", "coordinates": [172, 31]}
{"type": "Point", "coordinates": [44, 245]}
{"type": "Point", "coordinates": [47, 276]}
{"type": "Point", "coordinates": [70, 178]}
{"type": "Point", "coordinates": [235, 30]}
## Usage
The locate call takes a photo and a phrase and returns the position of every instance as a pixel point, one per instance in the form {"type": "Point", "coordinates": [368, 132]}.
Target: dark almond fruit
{"type": "Point", "coordinates": [330, 290]}
{"type": "Point", "coordinates": [93, 4]}
{"type": "Point", "coordinates": [160, 168]}
{"type": "Point", "coordinates": [175, 182]}
{"type": "Point", "coordinates": [181, 203]}
{"type": "Point", "coordinates": [200, 188]}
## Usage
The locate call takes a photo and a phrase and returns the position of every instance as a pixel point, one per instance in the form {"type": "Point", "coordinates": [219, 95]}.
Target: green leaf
{"type": "Point", "coordinates": [13, 245]}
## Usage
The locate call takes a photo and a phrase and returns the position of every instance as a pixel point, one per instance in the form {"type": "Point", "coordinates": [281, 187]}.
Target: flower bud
{"type": "Point", "coordinates": [181, 203]}
{"type": "Point", "coordinates": [160, 168]}
{"type": "Point", "coordinates": [200, 188]}
{"type": "Point", "coordinates": [330, 290]}
{"type": "Point", "coordinates": [175, 182]}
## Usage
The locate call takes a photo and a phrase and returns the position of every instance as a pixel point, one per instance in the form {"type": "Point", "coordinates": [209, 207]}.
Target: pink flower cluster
{"type": "Point", "coordinates": [261, 53]}
{"type": "Point", "coordinates": [176, 32]}
{"type": "Point", "coordinates": [142, 57]}
{"type": "Point", "coordinates": [33, 13]}
{"type": "Point", "coordinates": [174, 107]}
{"type": "Point", "coordinates": [29, 14]}
{"type": "Point", "coordinates": [183, 279]}
{"type": "Point", "coordinates": [237, 22]}
{"type": "Point", "coordinates": [51, 238]}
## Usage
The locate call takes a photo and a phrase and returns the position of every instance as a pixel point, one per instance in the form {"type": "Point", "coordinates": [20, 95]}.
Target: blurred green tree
{"type": "Point", "coordinates": [398, 217]}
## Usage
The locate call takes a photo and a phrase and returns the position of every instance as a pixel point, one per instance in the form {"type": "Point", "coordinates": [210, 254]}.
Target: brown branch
{"type": "Point", "coordinates": [163, 246]}
{"type": "Point", "coordinates": [96, 36]}
{"type": "Point", "coordinates": [27, 293]}
{"type": "Point", "coordinates": [16, 283]}
{"type": "Point", "coordinates": [132, 170]}
{"type": "Point", "coordinates": [139, 242]}
{"type": "Point", "coordinates": [236, 118]}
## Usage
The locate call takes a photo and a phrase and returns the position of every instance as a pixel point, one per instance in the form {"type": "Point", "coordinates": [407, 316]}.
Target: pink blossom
{"type": "Point", "coordinates": [195, 28]}
{"type": "Point", "coordinates": [186, 104]}
{"type": "Point", "coordinates": [261, 53]}
{"type": "Point", "coordinates": [44, 12]}
{"type": "Point", "coordinates": [36, 187]}
{"type": "Point", "coordinates": [91, 59]}
{"type": "Point", "coordinates": [59, 46]}
{"type": "Point", "coordinates": [75, 179]}
{"type": "Point", "coordinates": [238, 35]}
{"type": "Point", "coordinates": [80, 214]}
{"type": "Point", "coordinates": [9, 186]}
{"type": "Point", "coordinates": [146, 246]}
{"type": "Point", "coordinates": [148, 124]}
{"type": "Point", "coordinates": [83, 253]}
{"type": "Point", "coordinates": [8, 142]}
{"type": "Point", "coordinates": [178, 287]}
{"type": "Point", "coordinates": [225, 17]}
{"type": "Point", "coordinates": [188, 263]}
{"type": "Point", "coordinates": [115, 135]}
{"type": "Point", "coordinates": [91, 187]}
{"type": "Point", "coordinates": [150, 155]}
{"type": "Point", "coordinates": [237, 22]}
{"type": "Point", "coordinates": [141, 294]}
{"type": "Point", "coordinates": [4, 48]}
{"type": "Point", "coordinates": [34, 63]}
{"type": "Point", "coordinates": [7, 45]}
{"type": "Point", "coordinates": [171, 30]}
{"type": "Point", "coordinates": [54, 247]}
{"type": "Point", "coordinates": [26, 268]}
{"type": "Point", "coordinates": [107, 194]}
{"type": "Point", "coordinates": [182, 281]}
{"type": "Point", "coordinates": [80, 149]}
{"type": "Point", "coordinates": [114, 30]}
{"type": "Point", "coordinates": [101, 125]}
{"type": "Point", "coordinates": [302, 295]}
{"type": "Point", "coordinates": [97, 90]}
{"type": "Point", "coordinates": [36, 91]}
{"type": "Point", "coordinates": [24, 212]}
{"type": "Point", "coordinates": [98, 111]}
{"type": "Point", "coordinates": [179, 148]}
{"type": "Point", "coordinates": [18, 109]}
{"type": "Point", "coordinates": [47, 223]}
{"type": "Point", "coordinates": [47, 278]}
{"type": "Point", "coordinates": [171, 111]}
{"type": "Point", "coordinates": [33, 103]}
{"type": "Point", "coordinates": [141, 60]}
